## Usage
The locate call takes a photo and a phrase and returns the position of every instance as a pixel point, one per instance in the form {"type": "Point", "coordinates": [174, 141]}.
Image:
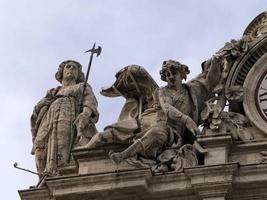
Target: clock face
{"type": "Point", "coordinates": [261, 96]}
{"type": "Point", "coordinates": [255, 94]}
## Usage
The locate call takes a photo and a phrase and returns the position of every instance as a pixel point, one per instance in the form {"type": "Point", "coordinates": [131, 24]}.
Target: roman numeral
{"type": "Point", "coordinates": [265, 111]}
{"type": "Point", "coordinates": [263, 97]}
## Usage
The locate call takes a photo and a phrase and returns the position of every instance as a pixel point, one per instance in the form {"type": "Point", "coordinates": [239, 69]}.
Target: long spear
{"type": "Point", "coordinates": [93, 51]}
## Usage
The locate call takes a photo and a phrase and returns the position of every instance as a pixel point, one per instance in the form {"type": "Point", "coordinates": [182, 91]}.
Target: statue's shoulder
{"type": "Point", "coordinates": [161, 91]}
{"type": "Point", "coordinates": [196, 86]}
{"type": "Point", "coordinates": [52, 92]}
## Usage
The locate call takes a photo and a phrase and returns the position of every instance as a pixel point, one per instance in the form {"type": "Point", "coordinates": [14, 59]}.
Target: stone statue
{"type": "Point", "coordinates": [213, 114]}
{"type": "Point", "coordinates": [59, 115]}
{"type": "Point", "coordinates": [164, 123]}
{"type": "Point", "coordinates": [155, 120]}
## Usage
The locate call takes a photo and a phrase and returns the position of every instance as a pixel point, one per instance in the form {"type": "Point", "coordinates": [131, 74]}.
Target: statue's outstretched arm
{"type": "Point", "coordinates": [212, 68]}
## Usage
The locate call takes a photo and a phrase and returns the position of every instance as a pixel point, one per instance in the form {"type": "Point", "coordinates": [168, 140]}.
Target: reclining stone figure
{"type": "Point", "coordinates": [155, 119]}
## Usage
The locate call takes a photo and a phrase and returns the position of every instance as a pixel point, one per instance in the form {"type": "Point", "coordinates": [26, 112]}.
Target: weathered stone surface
{"type": "Point", "coordinates": [217, 147]}
{"type": "Point", "coordinates": [153, 151]}
{"type": "Point", "coordinates": [65, 111]}
{"type": "Point", "coordinates": [97, 161]}
{"type": "Point", "coordinates": [161, 133]}
{"type": "Point", "coordinates": [229, 181]}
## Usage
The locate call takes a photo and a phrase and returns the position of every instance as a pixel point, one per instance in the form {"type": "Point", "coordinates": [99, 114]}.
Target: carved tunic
{"type": "Point", "coordinates": [52, 124]}
{"type": "Point", "coordinates": [154, 117]}
{"type": "Point", "coordinates": [157, 128]}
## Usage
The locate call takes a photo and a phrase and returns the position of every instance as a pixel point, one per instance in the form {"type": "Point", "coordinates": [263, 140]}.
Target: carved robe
{"type": "Point", "coordinates": [52, 125]}
{"type": "Point", "coordinates": [188, 101]}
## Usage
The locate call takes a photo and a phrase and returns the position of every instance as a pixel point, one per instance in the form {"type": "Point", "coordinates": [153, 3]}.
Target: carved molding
{"type": "Point", "coordinates": [244, 64]}
{"type": "Point", "coordinates": [213, 181]}
{"type": "Point", "coordinates": [257, 27]}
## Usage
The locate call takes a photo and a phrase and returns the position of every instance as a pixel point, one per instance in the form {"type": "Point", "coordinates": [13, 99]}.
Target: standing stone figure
{"type": "Point", "coordinates": [60, 114]}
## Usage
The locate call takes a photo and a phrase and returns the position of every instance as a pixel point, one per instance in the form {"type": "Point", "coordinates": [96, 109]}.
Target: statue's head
{"type": "Point", "coordinates": [171, 68]}
{"type": "Point", "coordinates": [74, 67]}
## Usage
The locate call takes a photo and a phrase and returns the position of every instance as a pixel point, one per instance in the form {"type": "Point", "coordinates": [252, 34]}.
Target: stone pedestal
{"type": "Point", "coordinates": [248, 152]}
{"type": "Point", "coordinates": [218, 148]}
{"type": "Point", "coordinates": [212, 182]}
{"type": "Point", "coordinates": [97, 161]}
{"type": "Point", "coordinates": [94, 176]}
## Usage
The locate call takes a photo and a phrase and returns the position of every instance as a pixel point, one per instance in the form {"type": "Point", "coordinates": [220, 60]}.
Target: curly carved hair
{"type": "Point", "coordinates": [59, 74]}
{"type": "Point", "coordinates": [174, 67]}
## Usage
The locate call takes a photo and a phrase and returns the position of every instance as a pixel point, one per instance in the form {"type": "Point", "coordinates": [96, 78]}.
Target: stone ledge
{"type": "Point", "coordinates": [214, 181]}
{"type": "Point", "coordinates": [247, 152]}
{"type": "Point", "coordinates": [34, 194]}
{"type": "Point", "coordinates": [95, 183]}
{"type": "Point", "coordinates": [251, 145]}
{"type": "Point", "coordinates": [192, 184]}
{"type": "Point", "coordinates": [90, 161]}
{"type": "Point", "coordinates": [215, 140]}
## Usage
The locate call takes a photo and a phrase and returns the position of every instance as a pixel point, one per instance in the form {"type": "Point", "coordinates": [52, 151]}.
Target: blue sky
{"type": "Point", "coordinates": [37, 35]}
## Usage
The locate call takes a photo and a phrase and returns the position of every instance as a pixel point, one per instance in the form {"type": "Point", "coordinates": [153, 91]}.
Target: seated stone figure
{"type": "Point", "coordinates": [164, 122]}
{"type": "Point", "coordinates": [57, 115]}
{"type": "Point", "coordinates": [167, 116]}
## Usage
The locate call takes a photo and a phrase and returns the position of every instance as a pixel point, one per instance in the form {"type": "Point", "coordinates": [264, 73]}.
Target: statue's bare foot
{"type": "Point", "coordinates": [116, 157]}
